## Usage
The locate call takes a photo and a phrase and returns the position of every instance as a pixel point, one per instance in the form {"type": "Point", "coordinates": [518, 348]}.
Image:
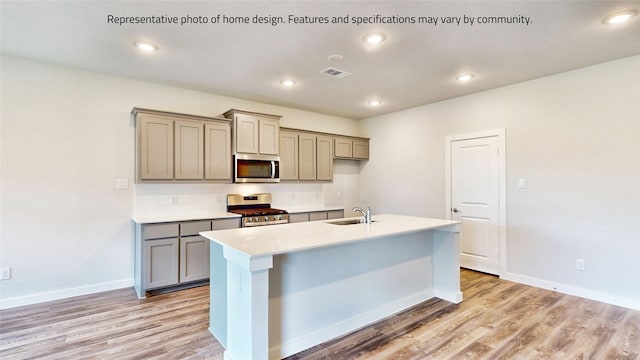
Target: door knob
{"type": "Point", "coordinates": [455, 210]}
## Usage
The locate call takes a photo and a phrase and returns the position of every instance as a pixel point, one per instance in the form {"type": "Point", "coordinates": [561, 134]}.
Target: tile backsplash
{"type": "Point", "coordinates": [186, 199]}
{"type": "Point", "coordinates": [157, 200]}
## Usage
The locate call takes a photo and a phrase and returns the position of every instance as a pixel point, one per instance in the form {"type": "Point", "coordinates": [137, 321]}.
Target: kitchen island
{"type": "Point", "coordinates": [277, 290]}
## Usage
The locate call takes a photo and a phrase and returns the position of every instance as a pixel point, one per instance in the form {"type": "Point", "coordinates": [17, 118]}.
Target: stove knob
{"type": "Point", "coordinates": [248, 219]}
{"type": "Point", "coordinates": [266, 218]}
{"type": "Point", "coordinates": [255, 219]}
{"type": "Point", "coordinates": [277, 217]}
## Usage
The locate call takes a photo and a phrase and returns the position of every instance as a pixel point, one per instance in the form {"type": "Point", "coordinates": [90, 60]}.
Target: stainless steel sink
{"type": "Point", "coordinates": [347, 222]}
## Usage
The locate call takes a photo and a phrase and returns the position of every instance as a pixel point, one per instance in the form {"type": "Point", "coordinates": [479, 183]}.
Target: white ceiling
{"type": "Point", "coordinates": [416, 65]}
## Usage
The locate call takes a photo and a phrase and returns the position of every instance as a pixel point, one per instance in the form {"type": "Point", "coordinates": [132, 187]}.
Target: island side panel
{"type": "Point", "coordinates": [446, 263]}
{"type": "Point", "coordinates": [319, 294]}
{"type": "Point", "coordinates": [247, 305]}
{"type": "Point", "coordinates": [218, 293]}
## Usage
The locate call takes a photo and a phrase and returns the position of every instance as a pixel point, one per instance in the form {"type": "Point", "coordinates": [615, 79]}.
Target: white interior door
{"type": "Point", "coordinates": [475, 185]}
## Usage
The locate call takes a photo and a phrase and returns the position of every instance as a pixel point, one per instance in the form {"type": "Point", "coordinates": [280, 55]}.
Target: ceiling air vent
{"type": "Point", "coordinates": [335, 72]}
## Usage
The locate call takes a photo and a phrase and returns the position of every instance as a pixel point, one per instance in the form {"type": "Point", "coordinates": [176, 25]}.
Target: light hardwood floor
{"type": "Point", "coordinates": [497, 320]}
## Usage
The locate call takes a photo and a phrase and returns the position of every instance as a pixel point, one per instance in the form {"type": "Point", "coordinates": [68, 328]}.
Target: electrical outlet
{"type": "Point", "coordinates": [122, 183]}
{"type": "Point", "coordinates": [522, 183]}
{"type": "Point", "coordinates": [5, 273]}
{"type": "Point", "coordinates": [580, 264]}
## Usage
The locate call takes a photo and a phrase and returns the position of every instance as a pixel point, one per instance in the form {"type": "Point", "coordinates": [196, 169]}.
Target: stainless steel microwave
{"type": "Point", "coordinates": [249, 168]}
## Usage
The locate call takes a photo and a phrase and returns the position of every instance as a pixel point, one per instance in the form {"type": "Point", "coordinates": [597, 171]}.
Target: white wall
{"type": "Point", "coordinates": [574, 136]}
{"type": "Point", "coordinates": [67, 135]}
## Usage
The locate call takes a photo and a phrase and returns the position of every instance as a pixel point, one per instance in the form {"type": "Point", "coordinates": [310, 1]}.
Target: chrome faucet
{"type": "Point", "coordinates": [366, 214]}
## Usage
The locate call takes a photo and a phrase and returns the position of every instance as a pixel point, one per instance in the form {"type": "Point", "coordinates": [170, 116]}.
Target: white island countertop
{"type": "Point", "coordinates": [287, 238]}
{"type": "Point", "coordinates": [281, 289]}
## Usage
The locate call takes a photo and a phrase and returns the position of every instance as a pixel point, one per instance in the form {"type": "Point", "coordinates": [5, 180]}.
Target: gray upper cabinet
{"type": "Point", "coordinates": [343, 147]}
{"type": "Point", "coordinates": [173, 147]}
{"type": "Point", "coordinates": [351, 148]}
{"type": "Point", "coordinates": [307, 156]}
{"type": "Point", "coordinates": [298, 156]}
{"type": "Point", "coordinates": [361, 149]}
{"type": "Point", "coordinates": [189, 150]}
{"type": "Point", "coordinates": [255, 133]}
{"type": "Point", "coordinates": [245, 128]}
{"type": "Point", "coordinates": [155, 147]}
{"type": "Point", "coordinates": [324, 158]}
{"type": "Point", "coordinates": [288, 156]}
{"type": "Point", "coordinates": [269, 137]}
{"type": "Point", "coordinates": [217, 151]}
{"type": "Point", "coordinates": [177, 147]}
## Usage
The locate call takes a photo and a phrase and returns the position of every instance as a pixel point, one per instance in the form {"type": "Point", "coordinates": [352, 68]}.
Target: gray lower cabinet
{"type": "Point", "coordinates": [173, 254]}
{"type": "Point", "coordinates": [161, 263]}
{"type": "Point", "coordinates": [298, 217]}
{"type": "Point", "coordinates": [194, 251]}
{"type": "Point", "coordinates": [194, 258]}
{"type": "Point", "coordinates": [316, 215]}
{"type": "Point", "coordinates": [335, 214]}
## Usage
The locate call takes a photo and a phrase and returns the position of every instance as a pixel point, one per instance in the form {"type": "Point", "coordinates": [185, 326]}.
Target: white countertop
{"type": "Point", "coordinates": [306, 209]}
{"type": "Point", "coordinates": [185, 217]}
{"type": "Point", "coordinates": [223, 215]}
{"type": "Point", "coordinates": [287, 238]}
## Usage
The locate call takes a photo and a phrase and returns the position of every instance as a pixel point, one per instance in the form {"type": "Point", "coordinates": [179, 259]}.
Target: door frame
{"type": "Point", "coordinates": [502, 192]}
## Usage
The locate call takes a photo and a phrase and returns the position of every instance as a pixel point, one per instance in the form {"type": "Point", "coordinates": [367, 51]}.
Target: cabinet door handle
{"type": "Point", "coordinates": [455, 210]}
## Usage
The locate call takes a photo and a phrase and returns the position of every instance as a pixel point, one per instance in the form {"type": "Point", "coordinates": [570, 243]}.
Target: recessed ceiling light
{"type": "Point", "coordinates": [145, 46]}
{"type": "Point", "coordinates": [288, 82]}
{"type": "Point", "coordinates": [464, 77]}
{"type": "Point", "coordinates": [620, 17]}
{"type": "Point", "coordinates": [335, 58]}
{"type": "Point", "coordinates": [375, 103]}
{"type": "Point", "coordinates": [374, 38]}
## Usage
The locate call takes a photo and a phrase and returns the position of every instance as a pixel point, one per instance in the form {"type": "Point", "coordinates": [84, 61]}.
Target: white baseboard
{"type": "Point", "coordinates": [454, 297]}
{"type": "Point", "coordinates": [64, 293]}
{"type": "Point", "coordinates": [335, 330]}
{"type": "Point", "coordinates": [633, 304]}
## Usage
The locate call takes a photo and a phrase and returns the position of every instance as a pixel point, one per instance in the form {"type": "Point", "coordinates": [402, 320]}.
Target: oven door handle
{"type": "Point", "coordinates": [273, 169]}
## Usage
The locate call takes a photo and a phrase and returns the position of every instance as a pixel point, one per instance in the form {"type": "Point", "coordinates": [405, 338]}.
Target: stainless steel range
{"type": "Point", "coordinates": [256, 210]}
